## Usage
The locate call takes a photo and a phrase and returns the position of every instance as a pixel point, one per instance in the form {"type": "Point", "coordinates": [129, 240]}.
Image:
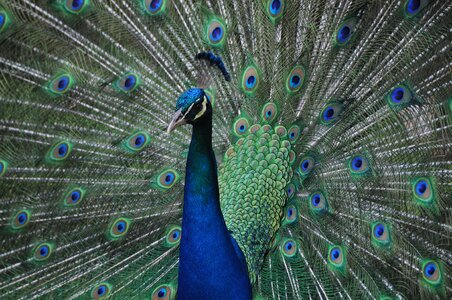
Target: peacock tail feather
{"type": "Point", "coordinates": [332, 127]}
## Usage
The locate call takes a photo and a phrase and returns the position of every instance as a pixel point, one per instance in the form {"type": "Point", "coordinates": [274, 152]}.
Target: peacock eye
{"type": "Point", "coordinates": [101, 291]}
{"type": "Point", "coordinates": [318, 202]}
{"type": "Point", "coordinates": [413, 7]}
{"type": "Point", "coordinates": [431, 272]}
{"type": "Point", "coordinates": [215, 31]}
{"type": "Point", "coordinates": [400, 97]}
{"type": "Point", "coordinates": [289, 248]}
{"type": "Point", "coordinates": [154, 7]}
{"type": "Point", "coordinates": [345, 31]}
{"type": "Point", "coordinates": [61, 84]}
{"type": "Point", "coordinates": [306, 166]}
{"type": "Point", "coordinates": [60, 151]}
{"type": "Point", "coordinates": [119, 228]}
{"type": "Point", "coordinates": [422, 190]}
{"type": "Point", "coordinates": [358, 165]}
{"type": "Point", "coordinates": [3, 167]}
{"type": "Point", "coordinates": [250, 79]}
{"type": "Point", "coordinates": [75, 6]}
{"type": "Point", "coordinates": [42, 252]}
{"type": "Point", "coordinates": [162, 292]}
{"type": "Point", "coordinates": [4, 20]}
{"type": "Point", "coordinates": [331, 113]}
{"type": "Point", "coordinates": [74, 197]}
{"type": "Point", "coordinates": [128, 82]}
{"type": "Point", "coordinates": [137, 141]}
{"type": "Point", "coordinates": [20, 219]}
{"type": "Point", "coordinates": [173, 236]}
{"type": "Point", "coordinates": [295, 79]}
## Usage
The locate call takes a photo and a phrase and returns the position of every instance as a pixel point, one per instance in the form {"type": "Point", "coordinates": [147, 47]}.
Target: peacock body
{"type": "Point", "coordinates": [330, 123]}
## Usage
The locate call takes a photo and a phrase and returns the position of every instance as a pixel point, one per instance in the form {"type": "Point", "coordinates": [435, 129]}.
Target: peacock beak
{"type": "Point", "coordinates": [178, 120]}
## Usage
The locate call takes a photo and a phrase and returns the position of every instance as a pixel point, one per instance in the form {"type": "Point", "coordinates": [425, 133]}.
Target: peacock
{"type": "Point", "coordinates": [227, 149]}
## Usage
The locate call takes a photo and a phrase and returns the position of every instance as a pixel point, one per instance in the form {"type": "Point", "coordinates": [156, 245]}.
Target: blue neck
{"type": "Point", "coordinates": [211, 265]}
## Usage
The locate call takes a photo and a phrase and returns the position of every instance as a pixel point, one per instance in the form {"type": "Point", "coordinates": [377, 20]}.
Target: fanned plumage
{"type": "Point", "coordinates": [332, 128]}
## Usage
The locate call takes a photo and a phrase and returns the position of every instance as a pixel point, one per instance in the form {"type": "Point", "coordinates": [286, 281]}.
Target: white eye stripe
{"type": "Point", "coordinates": [203, 110]}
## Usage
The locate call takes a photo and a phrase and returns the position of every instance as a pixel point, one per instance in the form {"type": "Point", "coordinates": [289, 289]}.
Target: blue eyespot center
{"type": "Point", "coordinates": [77, 4]}
{"type": "Point", "coordinates": [275, 7]}
{"type": "Point", "coordinates": [62, 150]}
{"type": "Point", "coordinates": [379, 230]}
{"type": "Point", "coordinates": [290, 212]}
{"type": "Point", "coordinates": [139, 140]}
{"type": "Point", "coordinates": [328, 114]}
{"type": "Point", "coordinates": [1, 167]}
{"type": "Point", "coordinates": [335, 254]}
{"type": "Point", "coordinates": [121, 226]}
{"type": "Point", "coordinates": [101, 290]}
{"type": "Point", "coordinates": [269, 113]}
{"type": "Point", "coordinates": [161, 293]}
{"type": "Point", "coordinates": [63, 83]}
{"type": "Point", "coordinates": [343, 34]}
{"type": "Point", "coordinates": [250, 81]}
{"type": "Point", "coordinates": [75, 196]}
{"type": "Point", "coordinates": [2, 19]}
{"type": "Point", "coordinates": [289, 246]}
{"type": "Point", "coordinates": [175, 234]}
{"type": "Point", "coordinates": [413, 6]}
{"type": "Point", "coordinates": [430, 269]}
{"type": "Point", "coordinates": [357, 163]}
{"type": "Point", "coordinates": [242, 128]}
{"type": "Point", "coordinates": [295, 81]}
{"type": "Point", "coordinates": [155, 5]}
{"type": "Point", "coordinates": [217, 34]}
{"type": "Point", "coordinates": [421, 187]}
{"type": "Point", "coordinates": [305, 165]}
{"type": "Point", "coordinates": [130, 81]}
{"type": "Point", "coordinates": [169, 178]}
{"type": "Point", "coordinates": [316, 200]}
{"type": "Point", "coordinates": [44, 250]}
{"type": "Point", "coordinates": [22, 218]}
{"type": "Point", "coordinates": [292, 135]}
{"type": "Point", "coordinates": [397, 95]}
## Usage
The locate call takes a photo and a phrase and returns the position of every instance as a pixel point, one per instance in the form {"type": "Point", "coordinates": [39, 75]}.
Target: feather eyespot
{"type": "Point", "coordinates": [318, 202]}
{"type": "Point", "coordinates": [4, 20]}
{"type": "Point", "coordinates": [275, 9]}
{"type": "Point", "coordinates": [20, 219]}
{"type": "Point", "coordinates": [241, 126]}
{"type": "Point", "coordinates": [335, 256]}
{"type": "Point", "coordinates": [128, 82]}
{"type": "Point", "coordinates": [345, 31]}
{"type": "Point", "coordinates": [60, 151]}
{"type": "Point", "coordinates": [269, 112]}
{"type": "Point", "coordinates": [358, 165]}
{"type": "Point", "coordinates": [137, 141]}
{"type": "Point", "coordinates": [306, 166]}
{"type": "Point", "coordinates": [3, 167]}
{"type": "Point", "coordinates": [75, 6]}
{"type": "Point", "coordinates": [173, 236]}
{"type": "Point", "coordinates": [162, 292]}
{"type": "Point", "coordinates": [167, 179]}
{"type": "Point", "coordinates": [74, 197]}
{"type": "Point", "coordinates": [293, 133]}
{"type": "Point", "coordinates": [331, 113]}
{"type": "Point", "coordinates": [101, 291]}
{"type": "Point", "coordinates": [400, 97]}
{"type": "Point", "coordinates": [154, 7]}
{"type": "Point", "coordinates": [119, 228]}
{"type": "Point", "coordinates": [431, 272]}
{"type": "Point", "coordinates": [250, 80]}
{"type": "Point", "coordinates": [291, 213]}
{"type": "Point", "coordinates": [61, 84]}
{"type": "Point", "coordinates": [423, 190]}
{"type": "Point", "coordinates": [289, 248]}
{"type": "Point", "coordinates": [381, 235]}
{"type": "Point", "coordinates": [216, 32]}
{"type": "Point", "coordinates": [295, 79]}
{"type": "Point", "coordinates": [290, 190]}
{"type": "Point", "coordinates": [42, 251]}
{"type": "Point", "coordinates": [413, 7]}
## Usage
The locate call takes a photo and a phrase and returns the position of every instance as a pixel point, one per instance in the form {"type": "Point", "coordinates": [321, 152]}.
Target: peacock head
{"type": "Point", "coordinates": [192, 106]}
